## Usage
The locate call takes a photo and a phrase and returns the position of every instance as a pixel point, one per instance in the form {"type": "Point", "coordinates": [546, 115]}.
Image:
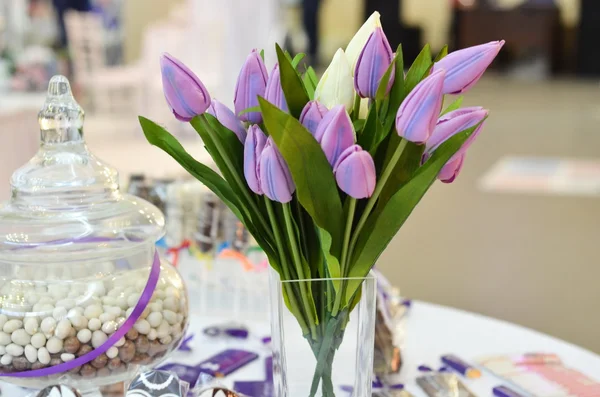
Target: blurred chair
{"type": "Point", "coordinates": [107, 90]}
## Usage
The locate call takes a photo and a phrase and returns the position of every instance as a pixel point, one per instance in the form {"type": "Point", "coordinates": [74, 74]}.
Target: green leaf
{"type": "Point", "coordinates": [454, 105]}
{"type": "Point", "coordinates": [419, 69]}
{"type": "Point", "coordinates": [292, 85]}
{"type": "Point", "coordinates": [358, 125]}
{"type": "Point", "coordinates": [385, 79]}
{"type": "Point", "coordinates": [249, 110]}
{"type": "Point", "coordinates": [315, 184]}
{"type": "Point", "coordinates": [369, 131]}
{"type": "Point", "coordinates": [296, 61]}
{"type": "Point", "coordinates": [308, 84]}
{"type": "Point", "coordinates": [312, 75]}
{"type": "Point", "coordinates": [262, 54]}
{"type": "Point", "coordinates": [441, 54]}
{"type": "Point", "coordinates": [333, 264]}
{"type": "Point", "coordinates": [382, 227]}
{"type": "Point", "coordinates": [397, 93]}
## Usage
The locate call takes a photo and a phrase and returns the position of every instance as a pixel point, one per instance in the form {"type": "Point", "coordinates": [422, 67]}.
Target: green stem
{"type": "Point", "coordinates": [302, 278]}
{"type": "Point", "coordinates": [347, 232]}
{"type": "Point", "coordinates": [378, 188]}
{"type": "Point", "coordinates": [284, 265]}
{"type": "Point", "coordinates": [356, 107]}
{"type": "Point", "coordinates": [236, 176]}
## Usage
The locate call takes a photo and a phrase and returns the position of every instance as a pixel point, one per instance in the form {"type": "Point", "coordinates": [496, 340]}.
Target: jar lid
{"type": "Point", "coordinates": [66, 202]}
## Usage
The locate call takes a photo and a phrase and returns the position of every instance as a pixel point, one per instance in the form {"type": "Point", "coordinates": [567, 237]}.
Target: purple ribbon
{"type": "Point", "coordinates": [114, 338]}
{"type": "Point", "coordinates": [185, 347]}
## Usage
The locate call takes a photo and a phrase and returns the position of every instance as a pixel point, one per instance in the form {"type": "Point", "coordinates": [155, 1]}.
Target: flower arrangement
{"type": "Point", "coordinates": [324, 172]}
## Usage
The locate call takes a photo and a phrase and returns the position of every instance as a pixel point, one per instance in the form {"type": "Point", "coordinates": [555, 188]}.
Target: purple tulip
{"type": "Point", "coordinates": [419, 112]}
{"type": "Point", "coordinates": [355, 172]}
{"type": "Point", "coordinates": [335, 133]}
{"type": "Point", "coordinates": [275, 178]}
{"type": "Point", "coordinates": [465, 67]}
{"type": "Point", "coordinates": [186, 95]}
{"type": "Point", "coordinates": [274, 92]}
{"type": "Point", "coordinates": [253, 148]}
{"type": "Point", "coordinates": [251, 83]}
{"type": "Point", "coordinates": [228, 119]}
{"type": "Point", "coordinates": [311, 115]}
{"type": "Point", "coordinates": [451, 124]}
{"type": "Point", "coordinates": [451, 170]}
{"type": "Point", "coordinates": [373, 62]}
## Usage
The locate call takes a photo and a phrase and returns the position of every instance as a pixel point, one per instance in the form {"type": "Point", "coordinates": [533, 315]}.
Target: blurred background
{"type": "Point", "coordinates": [515, 237]}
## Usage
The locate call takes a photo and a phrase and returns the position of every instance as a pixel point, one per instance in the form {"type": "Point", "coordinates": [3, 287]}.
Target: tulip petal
{"type": "Point", "coordinates": [355, 173]}
{"type": "Point", "coordinates": [311, 116]}
{"type": "Point", "coordinates": [253, 148]}
{"type": "Point", "coordinates": [335, 133]}
{"type": "Point", "coordinates": [451, 170]}
{"type": "Point", "coordinates": [275, 177]}
{"type": "Point", "coordinates": [251, 83]}
{"type": "Point", "coordinates": [228, 119]}
{"type": "Point", "coordinates": [274, 91]}
{"type": "Point", "coordinates": [373, 62]}
{"type": "Point", "coordinates": [357, 43]}
{"type": "Point", "coordinates": [336, 86]}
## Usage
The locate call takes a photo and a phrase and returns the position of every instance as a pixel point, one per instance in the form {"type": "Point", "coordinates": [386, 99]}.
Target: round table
{"type": "Point", "coordinates": [431, 331]}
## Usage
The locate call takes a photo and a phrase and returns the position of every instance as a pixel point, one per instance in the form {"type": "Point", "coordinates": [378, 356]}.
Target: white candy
{"type": "Point", "coordinates": [163, 329]}
{"type": "Point", "coordinates": [142, 326]}
{"type": "Point", "coordinates": [156, 306]}
{"type": "Point", "coordinates": [128, 291]}
{"type": "Point", "coordinates": [171, 304]}
{"type": "Point", "coordinates": [112, 352]}
{"type": "Point", "coordinates": [176, 330]}
{"type": "Point", "coordinates": [145, 313]}
{"type": "Point", "coordinates": [63, 329]}
{"type": "Point", "coordinates": [48, 326]}
{"type": "Point", "coordinates": [43, 309]}
{"type": "Point", "coordinates": [155, 318]}
{"type": "Point", "coordinates": [66, 303]}
{"type": "Point", "coordinates": [38, 340]}
{"type": "Point", "coordinates": [14, 350]}
{"type": "Point", "coordinates": [115, 292]}
{"type": "Point", "coordinates": [31, 353]}
{"type": "Point", "coordinates": [160, 294]}
{"type": "Point", "coordinates": [2, 350]}
{"type": "Point", "coordinates": [140, 284]}
{"type": "Point", "coordinates": [66, 357]}
{"type": "Point", "coordinates": [120, 342]}
{"type": "Point", "coordinates": [106, 317]}
{"type": "Point", "coordinates": [128, 312]}
{"type": "Point", "coordinates": [97, 288]}
{"type": "Point", "coordinates": [59, 313]}
{"type": "Point", "coordinates": [120, 321]}
{"type": "Point", "coordinates": [152, 335]}
{"type": "Point", "coordinates": [172, 292]}
{"type": "Point", "coordinates": [33, 298]}
{"type": "Point", "coordinates": [54, 345]}
{"type": "Point", "coordinates": [94, 324]}
{"type": "Point", "coordinates": [7, 359]}
{"type": "Point", "coordinates": [4, 338]}
{"type": "Point", "coordinates": [109, 327]}
{"type": "Point", "coordinates": [44, 356]}
{"type": "Point", "coordinates": [12, 325]}
{"type": "Point", "coordinates": [166, 340]}
{"type": "Point", "coordinates": [93, 311]}
{"type": "Point", "coordinates": [46, 299]}
{"type": "Point", "coordinates": [179, 318]}
{"type": "Point", "coordinates": [72, 332]}
{"type": "Point", "coordinates": [20, 337]}
{"type": "Point", "coordinates": [170, 316]}
{"type": "Point", "coordinates": [133, 299]}
{"type": "Point", "coordinates": [31, 325]}
{"type": "Point", "coordinates": [98, 338]}
{"type": "Point", "coordinates": [114, 310]}
{"type": "Point", "coordinates": [78, 321]}
{"type": "Point", "coordinates": [85, 335]}
{"type": "Point", "coordinates": [75, 311]}
{"type": "Point", "coordinates": [109, 300]}
{"type": "Point", "coordinates": [122, 302]}
{"type": "Point", "coordinates": [3, 320]}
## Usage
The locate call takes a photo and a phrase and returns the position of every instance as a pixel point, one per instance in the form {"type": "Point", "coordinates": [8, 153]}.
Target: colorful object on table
{"type": "Point", "coordinates": [227, 118]}
{"type": "Point", "coordinates": [226, 362]}
{"type": "Point", "coordinates": [226, 253]}
{"type": "Point", "coordinates": [335, 133]}
{"type": "Point", "coordinates": [461, 366]}
{"type": "Point", "coordinates": [58, 391]}
{"type": "Point", "coordinates": [336, 86]}
{"type": "Point", "coordinates": [357, 43]}
{"type": "Point", "coordinates": [274, 92]}
{"type": "Point", "coordinates": [275, 178]}
{"type": "Point", "coordinates": [503, 391]}
{"type": "Point", "coordinates": [382, 388]}
{"type": "Point", "coordinates": [156, 383]}
{"type": "Point", "coordinates": [266, 340]}
{"type": "Point", "coordinates": [311, 116]}
{"type": "Point", "coordinates": [185, 94]}
{"type": "Point", "coordinates": [444, 369]}
{"type": "Point", "coordinates": [234, 332]}
{"type": "Point", "coordinates": [374, 60]}
{"type": "Point", "coordinates": [465, 67]}
{"type": "Point", "coordinates": [185, 347]}
{"type": "Point", "coordinates": [251, 83]}
{"type": "Point", "coordinates": [425, 368]}
{"type": "Point", "coordinates": [186, 373]}
{"type": "Point", "coordinates": [174, 251]}
{"type": "Point", "coordinates": [258, 388]}
{"type": "Point", "coordinates": [355, 172]}
{"type": "Point", "coordinates": [418, 114]}
{"type": "Point", "coordinates": [443, 384]}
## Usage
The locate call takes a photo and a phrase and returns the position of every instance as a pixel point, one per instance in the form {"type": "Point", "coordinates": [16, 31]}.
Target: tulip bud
{"type": "Point", "coordinates": [227, 118]}
{"type": "Point", "coordinates": [253, 148]}
{"type": "Point", "coordinates": [311, 116]}
{"type": "Point", "coordinates": [275, 178]}
{"type": "Point", "coordinates": [465, 67]}
{"type": "Point", "coordinates": [451, 170]}
{"type": "Point", "coordinates": [335, 133]}
{"type": "Point", "coordinates": [451, 124]}
{"type": "Point", "coordinates": [274, 92]}
{"type": "Point", "coordinates": [336, 86]}
{"type": "Point", "coordinates": [355, 172]}
{"type": "Point", "coordinates": [373, 62]}
{"type": "Point", "coordinates": [419, 112]}
{"type": "Point", "coordinates": [251, 83]}
{"type": "Point", "coordinates": [186, 95]}
{"type": "Point", "coordinates": [359, 40]}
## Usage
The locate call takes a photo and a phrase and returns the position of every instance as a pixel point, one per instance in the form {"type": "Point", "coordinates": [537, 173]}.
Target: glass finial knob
{"type": "Point", "coordinates": [61, 117]}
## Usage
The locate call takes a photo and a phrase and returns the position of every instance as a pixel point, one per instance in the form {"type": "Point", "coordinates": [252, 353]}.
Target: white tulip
{"type": "Point", "coordinates": [336, 87]}
{"type": "Point", "coordinates": [359, 40]}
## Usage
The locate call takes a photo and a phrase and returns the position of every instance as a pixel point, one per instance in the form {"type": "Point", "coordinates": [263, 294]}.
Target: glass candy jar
{"type": "Point", "coordinates": [84, 298]}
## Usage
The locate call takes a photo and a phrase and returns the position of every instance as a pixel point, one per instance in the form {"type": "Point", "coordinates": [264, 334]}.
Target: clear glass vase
{"type": "Point", "coordinates": [339, 358]}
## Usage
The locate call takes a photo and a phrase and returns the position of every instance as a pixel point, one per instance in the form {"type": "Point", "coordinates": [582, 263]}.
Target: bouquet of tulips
{"type": "Point", "coordinates": [324, 172]}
